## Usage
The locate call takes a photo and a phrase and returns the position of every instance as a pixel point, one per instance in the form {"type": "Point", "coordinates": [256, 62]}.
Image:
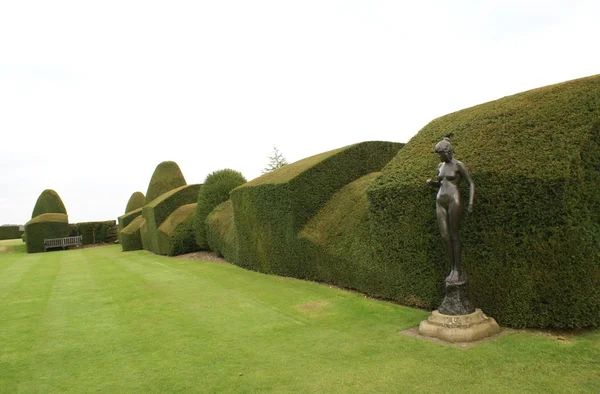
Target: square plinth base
{"type": "Point", "coordinates": [460, 328]}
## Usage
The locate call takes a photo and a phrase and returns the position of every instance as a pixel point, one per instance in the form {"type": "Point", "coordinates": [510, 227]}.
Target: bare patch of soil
{"type": "Point", "coordinates": [311, 306]}
{"type": "Point", "coordinates": [202, 256]}
{"type": "Point", "coordinates": [559, 335]}
{"type": "Point", "coordinates": [314, 309]}
{"type": "Point", "coordinates": [3, 249]}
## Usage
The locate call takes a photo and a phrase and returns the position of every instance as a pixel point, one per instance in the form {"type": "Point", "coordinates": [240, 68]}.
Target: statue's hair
{"type": "Point", "coordinates": [444, 146]}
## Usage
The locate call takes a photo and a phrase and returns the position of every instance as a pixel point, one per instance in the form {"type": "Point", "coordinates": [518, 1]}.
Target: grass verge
{"type": "Point", "coordinates": [97, 319]}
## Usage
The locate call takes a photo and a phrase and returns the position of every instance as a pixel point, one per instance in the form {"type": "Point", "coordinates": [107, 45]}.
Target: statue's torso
{"type": "Point", "coordinates": [449, 178]}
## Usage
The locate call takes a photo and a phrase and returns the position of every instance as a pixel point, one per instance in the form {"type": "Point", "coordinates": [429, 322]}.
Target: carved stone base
{"type": "Point", "coordinates": [459, 328]}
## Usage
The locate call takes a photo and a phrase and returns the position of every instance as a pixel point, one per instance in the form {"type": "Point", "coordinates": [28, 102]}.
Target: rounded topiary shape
{"type": "Point", "coordinates": [167, 176]}
{"type": "Point", "coordinates": [48, 202]}
{"type": "Point", "coordinates": [45, 226]}
{"type": "Point", "coordinates": [136, 201]}
{"type": "Point", "coordinates": [214, 191]}
{"type": "Point", "coordinates": [156, 212]}
{"type": "Point", "coordinates": [176, 234]}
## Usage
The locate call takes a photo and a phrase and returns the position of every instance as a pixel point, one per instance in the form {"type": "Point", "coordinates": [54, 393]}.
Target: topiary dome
{"type": "Point", "coordinates": [215, 190]}
{"type": "Point", "coordinates": [167, 176]}
{"type": "Point", "coordinates": [136, 201]}
{"type": "Point", "coordinates": [48, 202]}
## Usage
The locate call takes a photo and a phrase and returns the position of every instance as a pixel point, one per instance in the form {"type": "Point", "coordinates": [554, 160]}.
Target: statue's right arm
{"type": "Point", "coordinates": [433, 183]}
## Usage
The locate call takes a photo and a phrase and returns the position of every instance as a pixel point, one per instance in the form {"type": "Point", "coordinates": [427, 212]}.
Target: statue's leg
{"type": "Point", "coordinates": [442, 219]}
{"type": "Point", "coordinates": [454, 214]}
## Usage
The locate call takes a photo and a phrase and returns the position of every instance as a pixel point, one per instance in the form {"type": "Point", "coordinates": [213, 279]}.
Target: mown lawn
{"type": "Point", "coordinates": [100, 320]}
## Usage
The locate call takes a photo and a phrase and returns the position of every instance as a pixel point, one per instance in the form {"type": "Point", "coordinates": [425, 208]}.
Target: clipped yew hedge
{"type": "Point", "coordinates": [48, 202]}
{"type": "Point", "coordinates": [124, 220]}
{"type": "Point", "coordinates": [215, 190]}
{"type": "Point", "coordinates": [10, 232]}
{"type": "Point", "coordinates": [176, 233]}
{"type": "Point", "coordinates": [130, 237]}
{"type": "Point", "coordinates": [136, 201]}
{"type": "Point", "coordinates": [166, 177]}
{"type": "Point", "coordinates": [160, 208]}
{"type": "Point", "coordinates": [95, 232]}
{"type": "Point", "coordinates": [270, 211]}
{"type": "Point", "coordinates": [220, 232]}
{"type": "Point", "coordinates": [337, 240]}
{"type": "Point", "coordinates": [530, 248]}
{"type": "Point", "coordinates": [45, 226]}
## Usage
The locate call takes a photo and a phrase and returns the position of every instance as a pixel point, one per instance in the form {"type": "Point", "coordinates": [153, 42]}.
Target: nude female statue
{"type": "Point", "coordinates": [448, 205]}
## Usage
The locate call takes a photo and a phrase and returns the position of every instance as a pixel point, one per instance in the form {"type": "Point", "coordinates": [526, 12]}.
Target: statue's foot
{"type": "Point", "coordinates": [454, 277]}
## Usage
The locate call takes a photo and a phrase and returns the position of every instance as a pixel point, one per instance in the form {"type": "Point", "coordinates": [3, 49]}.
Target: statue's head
{"type": "Point", "coordinates": [444, 149]}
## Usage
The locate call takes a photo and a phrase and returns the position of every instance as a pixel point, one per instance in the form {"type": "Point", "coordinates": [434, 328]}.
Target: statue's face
{"type": "Point", "coordinates": [445, 156]}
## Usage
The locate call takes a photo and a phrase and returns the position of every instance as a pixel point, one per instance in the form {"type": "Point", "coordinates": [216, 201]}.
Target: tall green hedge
{"type": "Point", "coordinates": [45, 226]}
{"type": "Point", "coordinates": [95, 232]}
{"type": "Point", "coordinates": [48, 202]}
{"type": "Point", "coordinates": [337, 240]}
{"type": "Point", "coordinates": [215, 190]}
{"type": "Point", "coordinates": [131, 236]}
{"type": "Point", "coordinates": [136, 201]}
{"type": "Point", "coordinates": [160, 208]}
{"type": "Point", "coordinates": [176, 233]}
{"type": "Point", "coordinates": [220, 232]}
{"type": "Point", "coordinates": [270, 211]}
{"type": "Point", "coordinates": [531, 246]}
{"type": "Point", "coordinates": [166, 177]}
{"type": "Point", "coordinates": [10, 232]}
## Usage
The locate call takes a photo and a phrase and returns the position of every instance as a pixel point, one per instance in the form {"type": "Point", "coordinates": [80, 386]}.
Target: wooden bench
{"type": "Point", "coordinates": [62, 242]}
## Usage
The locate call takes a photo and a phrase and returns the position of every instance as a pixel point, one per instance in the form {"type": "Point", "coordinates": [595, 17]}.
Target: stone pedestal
{"type": "Point", "coordinates": [459, 328]}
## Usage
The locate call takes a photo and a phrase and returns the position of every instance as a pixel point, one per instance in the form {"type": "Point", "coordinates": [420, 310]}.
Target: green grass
{"type": "Point", "coordinates": [101, 320]}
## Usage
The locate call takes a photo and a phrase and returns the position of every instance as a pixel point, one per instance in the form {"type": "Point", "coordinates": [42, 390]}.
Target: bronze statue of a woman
{"type": "Point", "coordinates": [449, 211]}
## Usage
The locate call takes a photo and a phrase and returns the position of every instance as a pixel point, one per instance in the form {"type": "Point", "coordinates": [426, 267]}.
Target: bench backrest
{"type": "Point", "coordinates": [67, 241]}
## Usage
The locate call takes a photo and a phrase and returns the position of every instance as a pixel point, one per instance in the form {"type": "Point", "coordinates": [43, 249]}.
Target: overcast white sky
{"type": "Point", "coordinates": [93, 95]}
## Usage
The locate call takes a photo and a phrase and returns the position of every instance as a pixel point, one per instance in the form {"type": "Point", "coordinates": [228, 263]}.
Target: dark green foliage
{"type": "Point", "coordinates": [45, 226]}
{"type": "Point", "coordinates": [183, 239]}
{"type": "Point", "coordinates": [48, 202]}
{"type": "Point", "coordinates": [95, 232]}
{"type": "Point", "coordinates": [270, 211]}
{"type": "Point", "coordinates": [167, 176]}
{"type": "Point", "coordinates": [23, 237]}
{"type": "Point", "coordinates": [338, 241]}
{"type": "Point", "coordinates": [124, 220]}
{"type": "Point", "coordinates": [136, 201]}
{"type": "Point", "coordinates": [531, 246]}
{"type": "Point", "coordinates": [10, 232]}
{"type": "Point", "coordinates": [160, 208]}
{"type": "Point", "coordinates": [176, 234]}
{"type": "Point", "coordinates": [215, 190]}
{"type": "Point", "coordinates": [220, 232]}
{"type": "Point", "coordinates": [130, 237]}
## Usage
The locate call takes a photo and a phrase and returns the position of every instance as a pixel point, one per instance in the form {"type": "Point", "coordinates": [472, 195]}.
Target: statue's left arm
{"type": "Point", "coordinates": [467, 177]}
